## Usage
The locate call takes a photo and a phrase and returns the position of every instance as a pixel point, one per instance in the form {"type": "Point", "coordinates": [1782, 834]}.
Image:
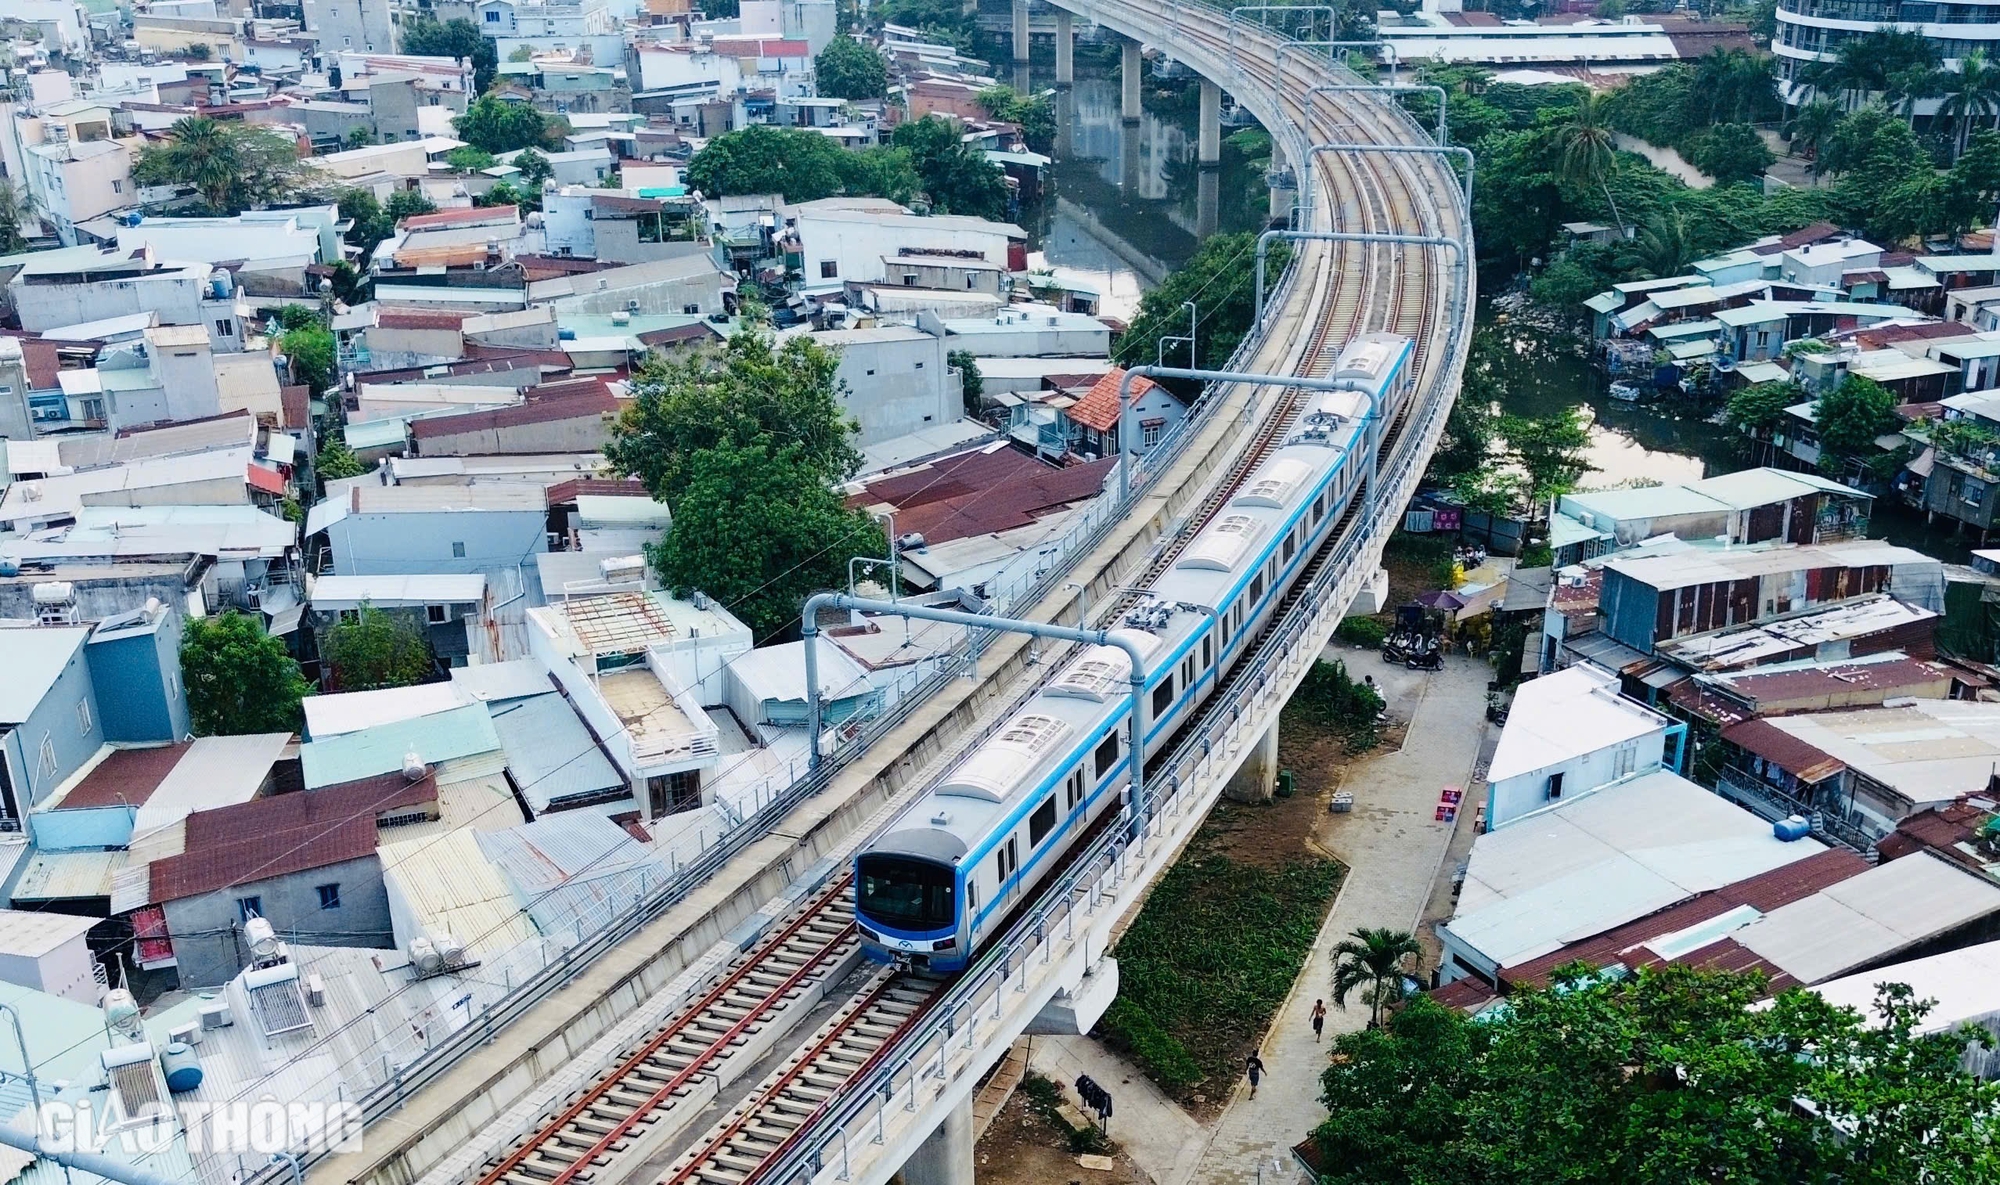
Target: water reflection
{"type": "Point", "coordinates": [1125, 205]}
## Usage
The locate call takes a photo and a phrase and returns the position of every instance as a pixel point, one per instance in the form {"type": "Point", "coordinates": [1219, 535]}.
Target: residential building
{"type": "Point", "coordinates": [75, 181]}
{"type": "Point", "coordinates": [839, 240]}
{"type": "Point", "coordinates": [1616, 854]}
{"type": "Point", "coordinates": [46, 952]}
{"type": "Point", "coordinates": [377, 530]}
{"type": "Point", "coordinates": [566, 418]}
{"type": "Point", "coordinates": [895, 379]}
{"type": "Point", "coordinates": [1568, 733]}
{"type": "Point", "coordinates": [1870, 768]}
{"type": "Point", "coordinates": [1749, 506]}
{"type": "Point", "coordinates": [1092, 425]}
{"type": "Point", "coordinates": [306, 862]}
{"type": "Point", "coordinates": [1813, 31]}
{"type": "Point", "coordinates": [363, 26]}
{"type": "Point", "coordinates": [1958, 985]}
{"type": "Point", "coordinates": [1030, 331]}
{"type": "Point", "coordinates": [441, 608]}
{"type": "Point", "coordinates": [1606, 46]}
{"type": "Point", "coordinates": [49, 722]}
{"type": "Point", "coordinates": [538, 26]}
{"type": "Point", "coordinates": [615, 228]}
{"type": "Point", "coordinates": [87, 285]}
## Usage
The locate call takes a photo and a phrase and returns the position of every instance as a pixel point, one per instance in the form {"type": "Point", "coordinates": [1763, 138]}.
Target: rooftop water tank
{"type": "Point", "coordinates": [182, 1066]}
{"type": "Point", "coordinates": [1791, 828]}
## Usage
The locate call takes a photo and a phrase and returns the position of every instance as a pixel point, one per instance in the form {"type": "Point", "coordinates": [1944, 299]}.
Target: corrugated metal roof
{"type": "Point", "coordinates": [59, 876]}
{"type": "Point", "coordinates": [1891, 907]}
{"type": "Point", "coordinates": [573, 868]}
{"type": "Point", "coordinates": [389, 591]}
{"type": "Point", "coordinates": [551, 753]}
{"type": "Point", "coordinates": [214, 772]}
{"type": "Point", "coordinates": [352, 711]}
{"type": "Point", "coordinates": [35, 660]}
{"type": "Point", "coordinates": [441, 736]}
{"type": "Point", "coordinates": [33, 933]}
{"type": "Point", "coordinates": [491, 681]}
{"type": "Point", "coordinates": [453, 888]}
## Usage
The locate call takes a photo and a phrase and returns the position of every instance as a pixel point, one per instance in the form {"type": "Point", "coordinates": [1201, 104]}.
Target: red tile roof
{"type": "Point", "coordinates": [284, 833]}
{"type": "Point", "coordinates": [127, 777]}
{"type": "Point", "coordinates": [1764, 892]}
{"type": "Point", "coordinates": [591, 403]}
{"type": "Point", "coordinates": [1805, 762]}
{"type": "Point", "coordinates": [980, 492]}
{"type": "Point", "coordinates": [462, 216]}
{"type": "Point", "coordinates": [418, 319]}
{"type": "Point", "coordinates": [296, 405]}
{"type": "Point", "coordinates": [1800, 238]}
{"type": "Point", "coordinates": [270, 481]}
{"type": "Point", "coordinates": [608, 487]}
{"type": "Point", "coordinates": [1099, 406]}
{"type": "Point", "coordinates": [762, 47]}
{"type": "Point", "coordinates": [1468, 994]}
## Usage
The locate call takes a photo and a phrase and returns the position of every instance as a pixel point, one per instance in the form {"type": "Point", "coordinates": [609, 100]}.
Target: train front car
{"type": "Point", "coordinates": [906, 897]}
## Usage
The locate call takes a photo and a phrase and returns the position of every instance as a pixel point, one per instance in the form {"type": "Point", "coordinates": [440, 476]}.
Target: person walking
{"type": "Point", "coordinates": [1319, 1019]}
{"type": "Point", "coordinates": [1255, 1066]}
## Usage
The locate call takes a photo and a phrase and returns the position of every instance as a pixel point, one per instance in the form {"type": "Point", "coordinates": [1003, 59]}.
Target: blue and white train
{"type": "Point", "coordinates": [944, 877]}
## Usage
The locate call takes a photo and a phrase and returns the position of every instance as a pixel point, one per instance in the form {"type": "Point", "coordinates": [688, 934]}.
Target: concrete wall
{"type": "Point", "coordinates": [64, 971]}
{"type": "Point", "coordinates": [188, 375]}
{"type": "Point", "coordinates": [703, 290]}
{"type": "Point", "coordinates": [856, 247]}
{"type": "Point", "coordinates": [57, 720]}
{"type": "Point", "coordinates": [76, 828]}
{"type": "Point", "coordinates": [581, 434]}
{"type": "Point", "coordinates": [48, 306]}
{"type": "Point", "coordinates": [139, 683]}
{"type": "Point", "coordinates": [419, 542]}
{"type": "Point", "coordinates": [208, 930]}
{"type": "Point", "coordinates": [1512, 798]}
{"type": "Point", "coordinates": [351, 24]}
{"type": "Point", "coordinates": [895, 388]}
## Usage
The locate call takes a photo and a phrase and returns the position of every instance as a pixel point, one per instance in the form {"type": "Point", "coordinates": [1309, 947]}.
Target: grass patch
{"type": "Point", "coordinates": [1207, 962]}
{"type": "Point", "coordinates": [1331, 700]}
{"type": "Point", "coordinates": [1045, 1099]}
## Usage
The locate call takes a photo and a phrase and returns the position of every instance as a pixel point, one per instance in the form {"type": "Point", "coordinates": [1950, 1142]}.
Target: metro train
{"type": "Point", "coordinates": [945, 875]}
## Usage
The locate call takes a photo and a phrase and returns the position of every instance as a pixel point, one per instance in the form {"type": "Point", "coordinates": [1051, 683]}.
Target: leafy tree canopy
{"type": "Point", "coordinates": [851, 69]}
{"type": "Point", "coordinates": [1759, 405]}
{"type": "Point", "coordinates": [1550, 452]}
{"type": "Point", "coordinates": [311, 350]}
{"type": "Point", "coordinates": [498, 125]}
{"type": "Point", "coordinates": [1221, 279]}
{"type": "Point", "coordinates": [801, 164]}
{"type": "Point", "coordinates": [535, 168]}
{"type": "Point", "coordinates": [1851, 416]}
{"type": "Point", "coordinates": [956, 176]}
{"type": "Point", "coordinates": [469, 159]}
{"type": "Point", "coordinates": [239, 679]}
{"type": "Point", "coordinates": [429, 37]}
{"type": "Point", "coordinates": [232, 166]}
{"type": "Point", "coordinates": [336, 460]}
{"type": "Point", "coordinates": [1669, 1076]}
{"type": "Point", "coordinates": [1035, 114]}
{"type": "Point", "coordinates": [373, 650]}
{"type": "Point", "coordinates": [752, 391]}
{"type": "Point", "coordinates": [1730, 152]}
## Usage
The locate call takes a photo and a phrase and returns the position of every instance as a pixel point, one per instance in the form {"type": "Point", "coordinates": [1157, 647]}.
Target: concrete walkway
{"type": "Point", "coordinates": [1393, 849]}
{"type": "Point", "coordinates": [1161, 1138]}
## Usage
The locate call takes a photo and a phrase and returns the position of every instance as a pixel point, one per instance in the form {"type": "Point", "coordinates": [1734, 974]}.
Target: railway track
{"type": "Point", "coordinates": [786, 1103]}
{"type": "Point", "coordinates": [659, 1089]}
{"type": "Point", "coordinates": [656, 1093]}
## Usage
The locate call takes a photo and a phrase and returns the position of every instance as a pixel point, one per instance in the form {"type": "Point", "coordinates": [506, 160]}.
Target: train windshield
{"type": "Point", "coordinates": [907, 894]}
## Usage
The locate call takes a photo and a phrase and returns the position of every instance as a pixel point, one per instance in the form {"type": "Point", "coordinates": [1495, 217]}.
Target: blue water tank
{"type": "Point", "coordinates": [1791, 828]}
{"type": "Point", "coordinates": [134, 218]}
{"type": "Point", "coordinates": [182, 1067]}
{"type": "Point", "coordinates": [220, 286]}
{"type": "Point", "coordinates": [565, 335]}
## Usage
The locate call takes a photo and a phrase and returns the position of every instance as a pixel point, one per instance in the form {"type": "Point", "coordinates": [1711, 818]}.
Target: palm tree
{"type": "Point", "coordinates": [1812, 125]}
{"type": "Point", "coordinates": [1588, 149]}
{"type": "Point", "coordinates": [1866, 63]}
{"type": "Point", "coordinates": [1910, 86]}
{"type": "Point", "coordinates": [1970, 94]}
{"type": "Point", "coordinates": [1664, 247]}
{"type": "Point", "coordinates": [1733, 85]}
{"type": "Point", "coordinates": [198, 152]}
{"type": "Point", "coordinates": [18, 214]}
{"type": "Point", "coordinates": [1372, 959]}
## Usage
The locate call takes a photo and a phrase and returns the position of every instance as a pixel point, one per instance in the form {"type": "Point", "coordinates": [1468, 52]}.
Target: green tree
{"type": "Point", "coordinates": [752, 391]}
{"type": "Point", "coordinates": [1665, 246]}
{"type": "Point", "coordinates": [1760, 406]}
{"type": "Point", "coordinates": [535, 168]}
{"type": "Point", "coordinates": [758, 528]}
{"type": "Point", "coordinates": [1971, 95]}
{"type": "Point", "coordinates": [1731, 152]}
{"type": "Point", "coordinates": [1034, 114]}
{"type": "Point", "coordinates": [231, 166]}
{"type": "Point", "coordinates": [1664, 1076]}
{"type": "Point", "coordinates": [336, 460]}
{"type": "Point", "coordinates": [468, 159]}
{"type": "Point", "coordinates": [1467, 443]}
{"type": "Point", "coordinates": [851, 69]}
{"type": "Point", "coordinates": [1374, 961]}
{"type": "Point", "coordinates": [373, 650]}
{"type": "Point", "coordinates": [1811, 126]}
{"type": "Point", "coordinates": [428, 37]}
{"type": "Point", "coordinates": [972, 388]}
{"type": "Point", "coordinates": [407, 203]}
{"type": "Point", "coordinates": [802, 165]}
{"type": "Point", "coordinates": [1550, 452]}
{"type": "Point", "coordinates": [1585, 142]}
{"type": "Point", "coordinates": [1868, 63]}
{"type": "Point", "coordinates": [879, 171]}
{"type": "Point", "coordinates": [17, 216]}
{"type": "Point", "coordinates": [498, 125]}
{"type": "Point", "coordinates": [1850, 417]}
{"type": "Point", "coordinates": [239, 679]}
{"type": "Point", "coordinates": [360, 136]}
{"type": "Point", "coordinates": [347, 284]}
{"type": "Point", "coordinates": [956, 176]}
{"type": "Point", "coordinates": [367, 224]}
{"type": "Point", "coordinates": [311, 351]}
{"type": "Point", "coordinates": [1220, 279]}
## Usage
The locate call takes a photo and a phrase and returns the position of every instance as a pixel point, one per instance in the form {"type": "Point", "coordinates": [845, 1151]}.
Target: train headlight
{"type": "Point", "coordinates": [944, 944]}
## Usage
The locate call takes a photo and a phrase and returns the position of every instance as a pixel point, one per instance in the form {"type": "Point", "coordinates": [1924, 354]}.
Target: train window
{"type": "Point", "coordinates": [1042, 821]}
{"type": "Point", "coordinates": [1005, 861]}
{"type": "Point", "coordinates": [1205, 652]}
{"type": "Point", "coordinates": [972, 893]}
{"type": "Point", "coordinates": [1187, 672]}
{"type": "Point", "coordinates": [1107, 755]}
{"type": "Point", "coordinates": [1074, 784]}
{"type": "Point", "coordinates": [1163, 697]}
{"type": "Point", "coordinates": [1257, 589]}
{"type": "Point", "coordinates": [1290, 547]}
{"type": "Point", "coordinates": [914, 894]}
